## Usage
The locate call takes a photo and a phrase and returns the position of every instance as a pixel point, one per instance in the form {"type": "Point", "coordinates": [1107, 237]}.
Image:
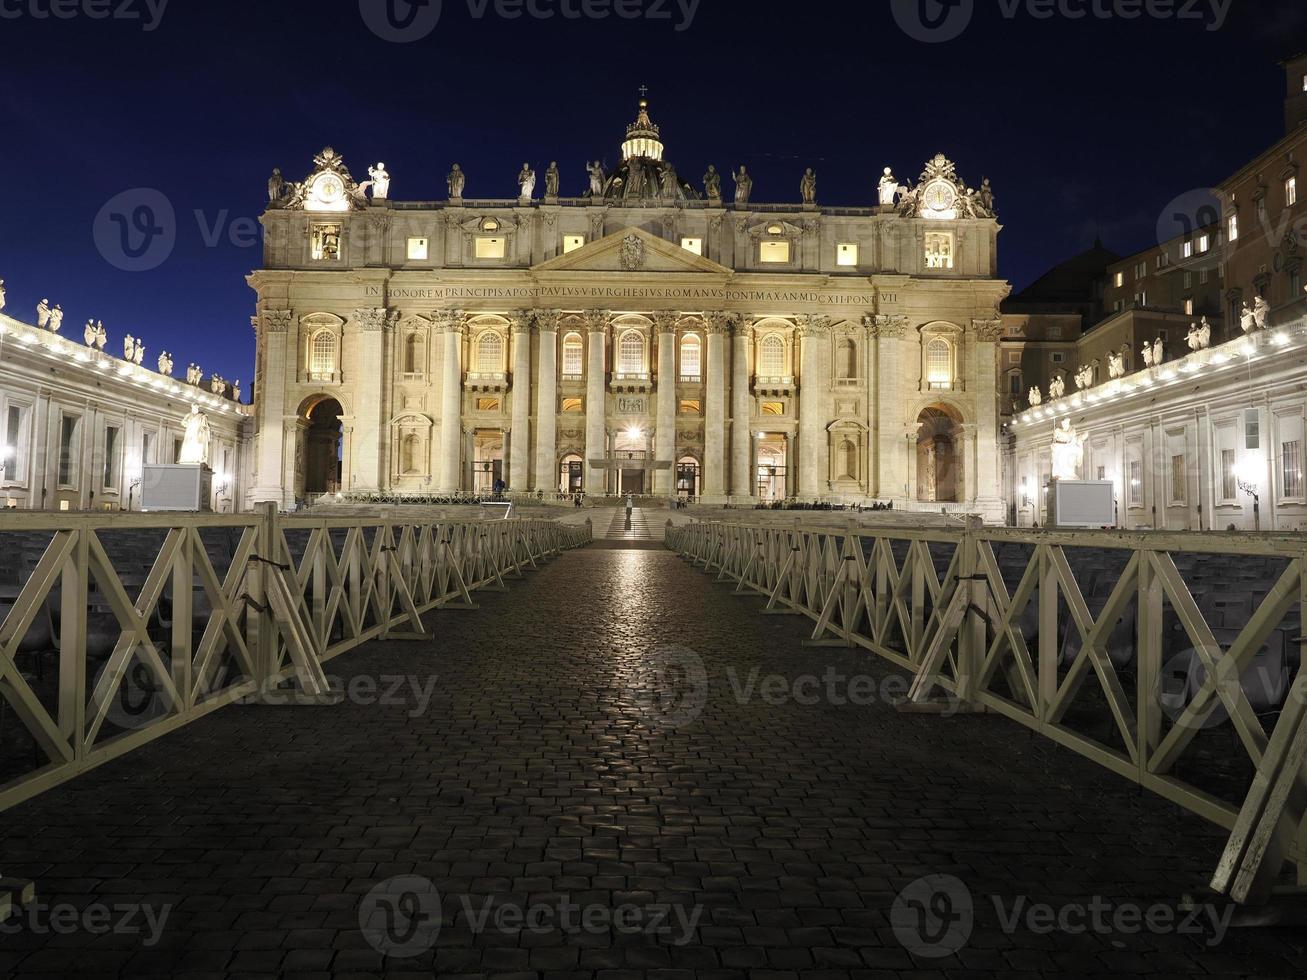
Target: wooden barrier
{"type": "Point", "coordinates": [1030, 652]}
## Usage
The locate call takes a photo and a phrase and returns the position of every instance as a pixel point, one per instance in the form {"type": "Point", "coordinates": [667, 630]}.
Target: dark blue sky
{"type": "Point", "coordinates": [1083, 125]}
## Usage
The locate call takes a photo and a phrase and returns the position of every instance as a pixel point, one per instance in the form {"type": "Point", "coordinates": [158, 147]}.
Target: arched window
{"type": "Point", "coordinates": [691, 357]}
{"type": "Point", "coordinates": [771, 357]}
{"type": "Point", "coordinates": [573, 356]}
{"type": "Point", "coordinates": [322, 355]}
{"type": "Point", "coordinates": [490, 353]}
{"type": "Point", "coordinates": [630, 357]}
{"type": "Point", "coordinates": [413, 354]}
{"type": "Point", "coordinates": [939, 364]}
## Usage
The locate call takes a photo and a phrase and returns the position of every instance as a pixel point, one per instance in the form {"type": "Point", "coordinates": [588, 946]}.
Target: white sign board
{"type": "Point", "coordinates": [1082, 503]}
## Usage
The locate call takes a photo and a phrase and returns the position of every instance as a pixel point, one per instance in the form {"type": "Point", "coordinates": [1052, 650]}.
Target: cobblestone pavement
{"type": "Point", "coordinates": [615, 770]}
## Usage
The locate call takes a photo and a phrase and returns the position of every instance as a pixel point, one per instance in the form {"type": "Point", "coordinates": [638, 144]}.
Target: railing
{"type": "Point", "coordinates": [200, 611]}
{"type": "Point", "coordinates": [1093, 639]}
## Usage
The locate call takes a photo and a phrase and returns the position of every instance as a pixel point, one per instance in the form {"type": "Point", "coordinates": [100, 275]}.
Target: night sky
{"type": "Point", "coordinates": [1085, 126]}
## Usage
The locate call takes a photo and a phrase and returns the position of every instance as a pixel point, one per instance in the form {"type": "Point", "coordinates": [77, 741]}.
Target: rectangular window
{"type": "Point", "coordinates": [774, 252]}
{"type": "Point", "coordinates": [846, 254]}
{"type": "Point", "coordinates": [694, 245]}
{"type": "Point", "coordinates": [1141, 270]}
{"type": "Point", "coordinates": [490, 248]}
{"type": "Point", "coordinates": [1252, 430]}
{"type": "Point", "coordinates": [1291, 454]}
{"type": "Point", "coordinates": [1059, 357]}
{"type": "Point", "coordinates": [1229, 480]}
{"type": "Point", "coordinates": [324, 243]}
{"type": "Point", "coordinates": [1188, 249]}
{"type": "Point", "coordinates": [1177, 479]}
{"type": "Point", "coordinates": [1102, 473]}
{"type": "Point", "coordinates": [773, 408]}
{"type": "Point", "coordinates": [417, 249]}
{"type": "Point", "coordinates": [1232, 228]}
{"type": "Point", "coordinates": [1136, 483]}
{"type": "Point", "coordinates": [1189, 307]}
{"type": "Point", "coordinates": [13, 456]}
{"type": "Point", "coordinates": [147, 448]}
{"type": "Point", "coordinates": [689, 406]}
{"type": "Point", "coordinates": [1118, 280]}
{"type": "Point", "coordinates": [1202, 277]}
{"type": "Point", "coordinates": [572, 242]}
{"type": "Point", "coordinates": [939, 250]}
{"type": "Point", "coordinates": [1291, 192]}
{"type": "Point", "coordinates": [67, 450]}
{"type": "Point", "coordinates": [488, 404]}
{"type": "Point", "coordinates": [1204, 244]}
{"type": "Point", "coordinates": [111, 457]}
{"type": "Point", "coordinates": [572, 405]}
{"type": "Point", "coordinates": [1014, 384]}
{"type": "Point", "coordinates": [1188, 280]}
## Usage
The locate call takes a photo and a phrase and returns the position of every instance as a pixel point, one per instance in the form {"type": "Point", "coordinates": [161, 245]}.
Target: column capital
{"type": "Point", "coordinates": [717, 322]}
{"type": "Point", "coordinates": [278, 321]}
{"type": "Point", "coordinates": [547, 320]}
{"type": "Point", "coordinates": [891, 326]}
{"type": "Point", "coordinates": [742, 328]}
{"type": "Point", "coordinates": [448, 321]}
{"type": "Point", "coordinates": [813, 326]}
{"type": "Point", "coordinates": [375, 319]}
{"type": "Point", "coordinates": [596, 321]}
{"type": "Point", "coordinates": [520, 322]}
{"type": "Point", "coordinates": [667, 322]}
{"type": "Point", "coordinates": [988, 329]}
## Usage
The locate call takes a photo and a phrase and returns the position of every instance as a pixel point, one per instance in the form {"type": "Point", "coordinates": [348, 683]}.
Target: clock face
{"type": "Point", "coordinates": [939, 196]}
{"type": "Point", "coordinates": [327, 193]}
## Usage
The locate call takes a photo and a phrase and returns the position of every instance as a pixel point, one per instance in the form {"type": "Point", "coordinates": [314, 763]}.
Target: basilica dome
{"type": "Point", "coordinates": [643, 175]}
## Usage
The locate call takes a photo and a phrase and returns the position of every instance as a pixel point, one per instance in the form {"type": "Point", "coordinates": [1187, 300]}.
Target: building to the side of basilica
{"type": "Point", "coordinates": [644, 338]}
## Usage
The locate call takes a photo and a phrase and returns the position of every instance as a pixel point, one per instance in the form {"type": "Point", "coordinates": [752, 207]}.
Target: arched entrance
{"type": "Point", "coordinates": [939, 455]}
{"type": "Point", "coordinates": [320, 446]}
{"type": "Point", "coordinates": [687, 477]}
{"type": "Point", "coordinates": [571, 474]}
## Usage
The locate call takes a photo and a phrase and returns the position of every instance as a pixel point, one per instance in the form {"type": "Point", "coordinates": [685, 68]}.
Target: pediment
{"type": "Point", "coordinates": [633, 250]}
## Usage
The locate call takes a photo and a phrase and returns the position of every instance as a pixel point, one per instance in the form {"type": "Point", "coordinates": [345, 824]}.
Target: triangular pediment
{"type": "Point", "coordinates": [632, 250]}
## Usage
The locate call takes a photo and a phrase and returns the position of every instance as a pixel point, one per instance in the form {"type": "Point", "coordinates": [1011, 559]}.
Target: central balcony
{"type": "Point", "coordinates": [486, 382]}
{"type": "Point", "coordinates": [631, 383]}
{"type": "Point", "coordinates": [782, 385]}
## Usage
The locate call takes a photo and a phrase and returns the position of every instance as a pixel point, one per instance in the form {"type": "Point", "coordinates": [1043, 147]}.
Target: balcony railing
{"type": "Point", "coordinates": [774, 385]}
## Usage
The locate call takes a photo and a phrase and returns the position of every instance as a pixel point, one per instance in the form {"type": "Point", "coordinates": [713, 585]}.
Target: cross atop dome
{"type": "Point", "coordinates": [642, 136]}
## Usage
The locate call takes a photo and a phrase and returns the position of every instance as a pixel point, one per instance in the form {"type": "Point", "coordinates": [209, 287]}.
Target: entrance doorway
{"type": "Point", "coordinates": [770, 465]}
{"type": "Point", "coordinates": [631, 456]}
{"type": "Point", "coordinates": [487, 460]}
{"type": "Point", "coordinates": [687, 477]}
{"type": "Point", "coordinates": [939, 456]}
{"type": "Point", "coordinates": [571, 474]}
{"type": "Point", "coordinates": [320, 447]}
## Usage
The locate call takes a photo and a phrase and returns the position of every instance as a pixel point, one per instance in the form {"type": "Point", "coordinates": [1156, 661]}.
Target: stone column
{"type": "Point", "coordinates": [988, 469]}
{"type": "Point", "coordinates": [813, 334]}
{"type": "Point", "coordinates": [519, 461]}
{"type": "Point", "coordinates": [743, 456]}
{"type": "Point", "coordinates": [893, 462]}
{"type": "Point", "coordinates": [450, 327]}
{"type": "Point", "coordinates": [369, 435]}
{"type": "Point", "coordinates": [716, 326]}
{"type": "Point", "coordinates": [278, 375]}
{"type": "Point", "coordinates": [664, 480]}
{"type": "Point", "coordinates": [546, 475]}
{"type": "Point", "coordinates": [596, 408]}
